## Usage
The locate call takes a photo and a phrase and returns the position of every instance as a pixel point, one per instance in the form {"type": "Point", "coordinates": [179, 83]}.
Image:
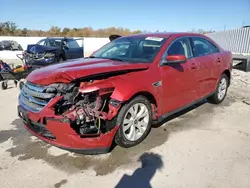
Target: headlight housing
{"type": "Point", "coordinates": [59, 88]}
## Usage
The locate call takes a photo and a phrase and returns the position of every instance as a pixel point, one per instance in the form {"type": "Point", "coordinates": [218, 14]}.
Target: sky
{"type": "Point", "coordinates": [149, 15]}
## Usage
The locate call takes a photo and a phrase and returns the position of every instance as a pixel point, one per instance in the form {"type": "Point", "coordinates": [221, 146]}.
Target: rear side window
{"type": "Point", "coordinates": [213, 48]}
{"type": "Point", "coordinates": [200, 47]}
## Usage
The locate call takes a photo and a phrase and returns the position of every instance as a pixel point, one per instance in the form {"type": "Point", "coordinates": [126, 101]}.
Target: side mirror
{"type": "Point", "coordinates": [178, 58]}
{"type": "Point", "coordinates": [64, 45]}
{"type": "Point", "coordinates": [113, 37]}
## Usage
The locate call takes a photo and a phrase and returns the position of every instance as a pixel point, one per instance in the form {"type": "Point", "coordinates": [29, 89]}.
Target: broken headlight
{"type": "Point", "coordinates": [49, 55]}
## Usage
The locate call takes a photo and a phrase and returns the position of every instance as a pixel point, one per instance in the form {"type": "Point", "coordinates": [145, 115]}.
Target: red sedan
{"type": "Point", "coordinates": [115, 94]}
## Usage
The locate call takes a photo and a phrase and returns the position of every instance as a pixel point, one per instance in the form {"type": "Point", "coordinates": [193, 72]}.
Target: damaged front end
{"type": "Point", "coordinates": [88, 110]}
{"type": "Point", "coordinates": [67, 113]}
{"type": "Point", "coordinates": [38, 55]}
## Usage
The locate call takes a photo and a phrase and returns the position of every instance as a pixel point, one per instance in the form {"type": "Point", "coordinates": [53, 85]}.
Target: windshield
{"type": "Point", "coordinates": [51, 43]}
{"type": "Point", "coordinates": [132, 49]}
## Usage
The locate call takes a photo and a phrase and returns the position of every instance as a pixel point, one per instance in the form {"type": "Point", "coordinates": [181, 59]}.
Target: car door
{"type": "Point", "coordinates": [217, 63]}
{"type": "Point", "coordinates": [72, 49]}
{"type": "Point", "coordinates": [179, 81]}
{"type": "Point", "coordinates": [204, 55]}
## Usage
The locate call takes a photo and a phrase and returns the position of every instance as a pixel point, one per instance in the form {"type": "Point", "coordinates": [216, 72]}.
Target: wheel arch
{"type": "Point", "coordinates": [150, 98]}
{"type": "Point", "coordinates": [228, 74]}
{"type": "Point", "coordinates": [146, 94]}
{"type": "Point", "coordinates": [62, 55]}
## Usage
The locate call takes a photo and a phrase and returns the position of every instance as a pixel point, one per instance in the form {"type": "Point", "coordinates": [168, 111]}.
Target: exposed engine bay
{"type": "Point", "coordinates": [89, 113]}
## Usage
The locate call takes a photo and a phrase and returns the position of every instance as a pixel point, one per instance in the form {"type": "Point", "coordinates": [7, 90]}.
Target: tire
{"type": "Point", "coordinates": [16, 82]}
{"type": "Point", "coordinates": [140, 131]}
{"type": "Point", "coordinates": [4, 85]}
{"type": "Point", "coordinates": [219, 97]}
{"type": "Point", "coordinates": [20, 85]}
{"type": "Point", "coordinates": [61, 59]}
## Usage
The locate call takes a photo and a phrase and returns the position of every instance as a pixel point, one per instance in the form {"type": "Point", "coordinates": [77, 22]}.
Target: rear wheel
{"type": "Point", "coordinates": [221, 90]}
{"type": "Point", "coordinates": [135, 120]}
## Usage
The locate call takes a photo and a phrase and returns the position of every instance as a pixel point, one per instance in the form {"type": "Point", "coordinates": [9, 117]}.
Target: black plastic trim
{"type": "Point", "coordinates": [161, 118]}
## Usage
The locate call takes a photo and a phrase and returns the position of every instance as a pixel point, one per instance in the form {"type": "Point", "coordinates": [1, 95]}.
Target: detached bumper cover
{"type": "Point", "coordinates": [58, 133]}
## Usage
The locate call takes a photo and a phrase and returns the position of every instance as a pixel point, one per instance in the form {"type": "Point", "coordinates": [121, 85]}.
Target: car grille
{"type": "Point", "coordinates": [34, 97]}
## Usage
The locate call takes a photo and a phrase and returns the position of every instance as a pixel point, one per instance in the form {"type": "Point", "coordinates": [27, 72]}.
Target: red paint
{"type": "Point", "coordinates": [113, 111]}
{"type": "Point", "coordinates": [66, 72]}
{"type": "Point", "coordinates": [67, 139]}
{"type": "Point", "coordinates": [181, 84]}
{"type": "Point", "coordinates": [103, 86]}
{"type": "Point", "coordinates": [177, 57]}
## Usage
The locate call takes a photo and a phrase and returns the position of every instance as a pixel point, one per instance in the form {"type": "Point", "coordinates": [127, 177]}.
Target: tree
{"type": "Point", "coordinates": [24, 32]}
{"type": "Point", "coordinates": [54, 31]}
{"type": "Point", "coordinates": [65, 31]}
{"type": "Point", "coordinates": [8, 28]}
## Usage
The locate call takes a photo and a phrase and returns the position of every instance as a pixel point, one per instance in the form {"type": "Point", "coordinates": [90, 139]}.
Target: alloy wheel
{"type": "Point", "coordinates": [135, 121]}
{"type": "Point", "coordinates": [222, 88]}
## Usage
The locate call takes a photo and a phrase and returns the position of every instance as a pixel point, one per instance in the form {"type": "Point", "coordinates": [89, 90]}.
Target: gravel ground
{"type": "Point", "coordinates": [208, 146]}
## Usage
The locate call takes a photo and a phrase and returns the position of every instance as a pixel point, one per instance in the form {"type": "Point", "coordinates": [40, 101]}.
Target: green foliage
{"type": "Point", "coordinates": [10, 29]}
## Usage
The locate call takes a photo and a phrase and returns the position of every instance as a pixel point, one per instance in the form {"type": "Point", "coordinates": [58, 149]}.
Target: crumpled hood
{"type": "Point", "coordinates": [80, 68]}
{"type": "Point", "coordinates": [36, 48]}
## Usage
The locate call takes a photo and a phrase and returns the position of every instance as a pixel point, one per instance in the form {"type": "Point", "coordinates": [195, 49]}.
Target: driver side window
{"type": "Point", "coordinates": [181, 47]}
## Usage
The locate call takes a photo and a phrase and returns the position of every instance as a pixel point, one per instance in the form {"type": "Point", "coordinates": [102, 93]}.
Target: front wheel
{"type": "Point", "coordinates": [135, 120]}
{"type": "Point", "coordinates": [4, 85]}
{"type": "Point", "coordinates": [221, 90]}
{"type": "Point", "coordinates": [61, 59]}
{"type": "Point", "coordinates": [20, 85]}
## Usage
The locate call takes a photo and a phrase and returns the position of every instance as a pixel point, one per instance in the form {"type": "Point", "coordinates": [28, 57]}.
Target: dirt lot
{"type": "Point", "coordinates": [206, 147]}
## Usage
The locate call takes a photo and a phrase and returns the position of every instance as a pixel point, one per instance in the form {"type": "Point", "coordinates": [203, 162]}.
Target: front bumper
{"type": "Point", "coordinates": [52, 130]}
{"type": "Point", "coordinates": [37, 63]}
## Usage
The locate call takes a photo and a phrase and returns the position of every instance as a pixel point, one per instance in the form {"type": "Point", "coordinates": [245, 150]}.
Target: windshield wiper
{"type": "Point", "coordinates": [114, 59]}
{"type": "Point", "coordinates": [111, 58]}
{"type": "Point", "coordinates": [90, 57]}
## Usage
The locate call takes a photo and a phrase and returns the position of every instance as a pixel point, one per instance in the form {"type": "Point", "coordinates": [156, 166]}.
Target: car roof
{"type": "Point", "coordinates": [167, 34]}
{"type": "Point", "coordinates": [59, 38]}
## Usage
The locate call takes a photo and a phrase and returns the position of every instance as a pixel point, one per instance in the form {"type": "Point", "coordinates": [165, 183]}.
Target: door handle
{"type": "Point", "coordinates": [193, 66]}
{"type": "Point", "coordinates": [218, 60]}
